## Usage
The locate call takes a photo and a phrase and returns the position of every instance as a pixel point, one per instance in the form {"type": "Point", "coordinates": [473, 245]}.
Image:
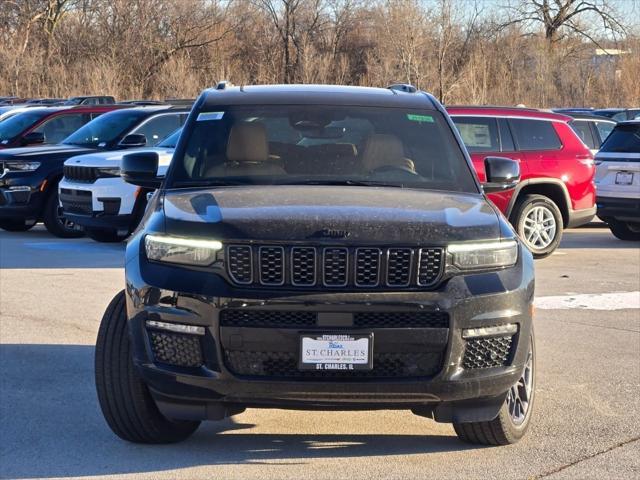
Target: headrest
{"type": "Point", "coordinates": [382, 149]}
{"type": "Point", "coordinates": [247, 143]}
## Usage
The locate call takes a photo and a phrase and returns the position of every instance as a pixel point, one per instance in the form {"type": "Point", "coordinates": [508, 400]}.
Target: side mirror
{"type": "Point", "coordinates": [33, 138]}
{"type": "Point", "coordinates": [502, 174]}
{"type": "Point", "coordinates": [134, 140]}
{"type": "Point", "coordinates": [141, 169]}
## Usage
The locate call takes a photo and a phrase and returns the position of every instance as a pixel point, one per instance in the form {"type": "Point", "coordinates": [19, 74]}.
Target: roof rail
{"type": "Point", "coordinates": [403, 87]}
{"type": "Point", "coordinates": [223, 85]}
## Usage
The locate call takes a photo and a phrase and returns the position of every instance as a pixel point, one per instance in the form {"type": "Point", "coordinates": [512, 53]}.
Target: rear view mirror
{"type": "Point", "coordinates": [141, 169]}
{"type": "Point", "coordinates": [33, 138]}
{"type": "Point", "coordinates": [134, 140]}
{"type": "Point", "coordinates": [502, 174]}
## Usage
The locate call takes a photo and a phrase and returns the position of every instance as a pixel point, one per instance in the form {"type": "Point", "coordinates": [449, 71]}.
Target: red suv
{"type": "Point", "coordinates": [37, 126]}
{"type": "Point", "coordinates": [557, 170]}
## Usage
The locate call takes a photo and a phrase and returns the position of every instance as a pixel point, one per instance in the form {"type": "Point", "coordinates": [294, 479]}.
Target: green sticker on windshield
{"type": "Point", "coordinates": [419, 118]}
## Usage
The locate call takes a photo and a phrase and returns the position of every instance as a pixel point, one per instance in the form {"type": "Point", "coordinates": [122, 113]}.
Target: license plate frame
{"type": "Point", "coordinates": [624, 178]}
{"type": "Point", "coordinates": [322, 363]}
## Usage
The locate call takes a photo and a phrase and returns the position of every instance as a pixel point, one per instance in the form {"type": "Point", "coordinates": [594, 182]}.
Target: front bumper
{"type": "Point", "coordinates": [23, 195]}
{"type": "Point", "coordinates": [623, 209]}
{"type": "Point", "coordinates": [24, 204]}
{"type": "Point", "coordinates": [107, 203]}
{"type": "Point", "coordinates": [449, 389]}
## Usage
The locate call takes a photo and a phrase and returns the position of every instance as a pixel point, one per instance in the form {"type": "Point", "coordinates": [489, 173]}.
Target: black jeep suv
{"type": "Point", "coordinates": [319, 248]}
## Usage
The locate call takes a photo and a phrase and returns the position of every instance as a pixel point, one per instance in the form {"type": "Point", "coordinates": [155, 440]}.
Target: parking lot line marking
{"type": "Point", "coordinates": [591, 301]}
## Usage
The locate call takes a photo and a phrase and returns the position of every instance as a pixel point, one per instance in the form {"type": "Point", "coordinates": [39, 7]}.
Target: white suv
{"type": "Point", "coordinates": [111, 209]}
{"type": "Point", "coordinates": [618, 181]}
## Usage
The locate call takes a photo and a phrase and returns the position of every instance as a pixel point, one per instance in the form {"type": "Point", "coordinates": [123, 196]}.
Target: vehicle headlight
{"type": "Point", "coordinates": [108, 171]}
{"type": "Point", "coordinates": [21, 166]}
{"type": "Point", "coordinates": [483, 255]}
{"type": "Point", "coordinates": [186, 251]}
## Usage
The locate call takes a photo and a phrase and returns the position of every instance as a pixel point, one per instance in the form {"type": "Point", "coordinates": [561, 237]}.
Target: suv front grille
{"type": "Point", "coordinates": [306, 319]}
{"type": "Point", "coordinates": [285, 364]}
{"type": "Point", "coordinates": [81, 174]}
{"type": "Point", "coordinates": [333, 267]}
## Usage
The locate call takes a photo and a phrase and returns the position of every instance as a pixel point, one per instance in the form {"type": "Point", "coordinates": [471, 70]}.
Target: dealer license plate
{"type": "Point", "coordinates": [336, 352]}
{"type": "Point", "coordinates": [624, 178]}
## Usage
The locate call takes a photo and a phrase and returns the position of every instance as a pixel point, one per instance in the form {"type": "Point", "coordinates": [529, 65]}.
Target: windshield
{"type": "Point", "coordinates": [16, 124]}
{"type": "Point", "coordinates": [105, 129]}
{"type": "Point", "coordinates": [172, 140]}
{"type": "Point", "coordinates": [624, 138]}
{"type": "Point", "coordinates": [313, 144]}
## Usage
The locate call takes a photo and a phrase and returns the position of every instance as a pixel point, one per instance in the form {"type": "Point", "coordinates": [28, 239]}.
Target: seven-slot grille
{"type": "Point", "coordinates": [333, 267]}
{"type": "Point", "coordinates": [81, 174]}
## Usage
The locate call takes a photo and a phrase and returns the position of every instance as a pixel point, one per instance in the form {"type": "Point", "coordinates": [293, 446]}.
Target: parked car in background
{"type": "Point", "coordinates": [46, 101]}
{"type": "Point", "coordinates": [96, 198]}
{"type": "Point", "coordinates": [91, 100]}
{"type": "Point", "coordinates": [556, 190]}
{"type": "Point", "coordinates": [618, 181]}
{"type": "Point", "coordinates": [29, 186]}
{"type": "Point", "coordinates": [618, 114]}
{"type": "Point", "coordinates": [572, 110]}
{"type": "Point", "coordinates": [592, 129]}
{"type": "Point", "coordinates": [46, 125]}
{"type": "Point", "coordinates": [7, 111]}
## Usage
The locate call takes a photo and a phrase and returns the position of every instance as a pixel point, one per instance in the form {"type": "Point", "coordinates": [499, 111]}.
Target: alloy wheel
{"type": "Point", "coordinates": [520, 395]}
{"type": "Point", "coordinates": [539, 227]}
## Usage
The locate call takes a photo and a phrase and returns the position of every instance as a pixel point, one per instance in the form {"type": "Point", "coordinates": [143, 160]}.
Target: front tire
{"type": "Point", "coordinates": [53, 219]}
{"type": "Point", "coordinates": [512, 422]}
{"type": "Point", "coordinates": [15, 226]}
{"type": "Point", "coordinates": [124, 398]}
{"type": "Point", "coordinates": [538, 221]}
{"type": "Point", "coordinates": [623, 231]}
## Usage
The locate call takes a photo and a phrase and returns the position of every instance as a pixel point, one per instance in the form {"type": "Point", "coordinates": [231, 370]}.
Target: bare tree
{"type": "Point", "coordinates": [559, 17]}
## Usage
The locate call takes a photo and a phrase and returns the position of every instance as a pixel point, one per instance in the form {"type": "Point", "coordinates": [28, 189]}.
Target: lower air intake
{"type": "Point", "coordinates": [487, 352]}
{"type": "Point", "coordinates": [176, 349]}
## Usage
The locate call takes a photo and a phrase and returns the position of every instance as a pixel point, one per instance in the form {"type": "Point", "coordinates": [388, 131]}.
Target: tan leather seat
{"type": "Point", "coordinates": [384, 150]}
{"type": "Point", "coordinates": [247, 153]}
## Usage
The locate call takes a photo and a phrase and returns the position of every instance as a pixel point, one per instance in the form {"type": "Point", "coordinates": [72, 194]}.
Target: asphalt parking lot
{"type": "Point", "coordinates": [587, 421]}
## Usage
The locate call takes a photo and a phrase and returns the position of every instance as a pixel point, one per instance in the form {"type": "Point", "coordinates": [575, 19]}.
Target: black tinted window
{"type": "Point", "coordinates": [604, 129]}
{"type": "Point", "coordinates": [159, 127]}
{"type": "Point", "coordinates": [506, 139]}
{"type": "Point", "coordinates": [624, 138]}
{"type": "Point", "coordinates": [583, 129]}
{"type": "Point", "coordinates": [16, 124]}
{"type": "Point", "coordinates": [534, 134]}
{"type": "Point", "coordinates": [58, 128]}
{"type": "Point", "coordinates": [105, 129]}
{"type": "Point", "coordinates": [303, 144]}
{"type": "Point", "coordinates": [479, 134]}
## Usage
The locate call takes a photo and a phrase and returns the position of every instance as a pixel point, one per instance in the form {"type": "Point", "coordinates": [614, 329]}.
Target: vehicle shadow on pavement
{"type": "Point", "coordinates": [39, 249]}
{"type": "Point", "coordinates": [596, 238]}
{"type": "Point", "coordinates": [51, 426]}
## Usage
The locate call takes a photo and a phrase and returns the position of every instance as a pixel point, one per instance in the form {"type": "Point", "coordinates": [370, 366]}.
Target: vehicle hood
{"type": "Point", "coordinates": [114, 158]}
{"type": "Point", "coordinates": [53, 152]}
{"type": "Point", "coordinates": [342, 214]}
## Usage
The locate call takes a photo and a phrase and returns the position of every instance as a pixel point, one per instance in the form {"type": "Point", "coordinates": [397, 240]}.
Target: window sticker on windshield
{"type": "Point", "coordinates": [419, 118]}
{"type": "Point", "coordinates": [205, 116]}
{"type": "Point", "coordinates": [102, 144]}
{"type": "Point", "coordinates": [4, 142]}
